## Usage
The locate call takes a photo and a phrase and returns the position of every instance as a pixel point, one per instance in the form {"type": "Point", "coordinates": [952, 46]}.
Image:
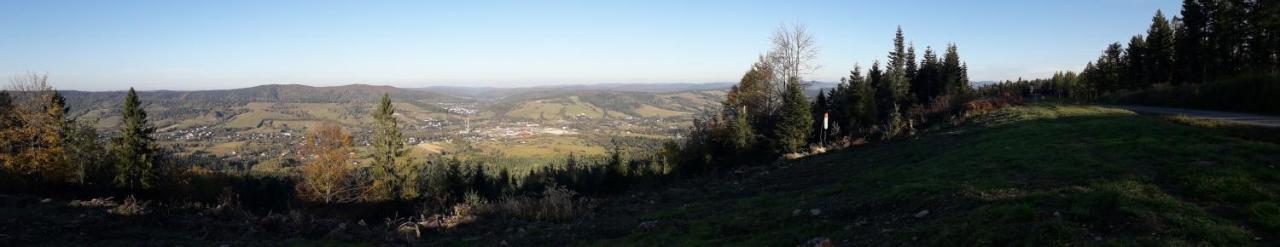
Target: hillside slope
{"type": "Point", "coordinates": [1039, 175]}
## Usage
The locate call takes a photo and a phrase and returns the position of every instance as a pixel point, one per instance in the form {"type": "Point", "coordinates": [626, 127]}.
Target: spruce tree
{"type": "Point", "coordinates": [794, 121]}
{"type": "Point", "coordinates": [883, 91]}
{"type": "Point", "coordinates": [928, 81]}
{"type": "Point", "coordinates": [392, 176]}
{"type": "Point", "coordinates": [862, 102]}
{"type": "Point", "coordinates": [1158, 55]}
{"type": "Point", "coordinates": [1190, 44]}
{"type": "Point", "coordinates": [1135, 74]}
{"type": "Point", "coordinates": [741, 136]}
{"type": "Point", "coordinates": [895, 73]}
{"type": "Point", "coordinates": [911, 68]}
{"type": "Point", "coordinates": [955, 79]}
{"type": "Point", "coordinates": [134, 149]}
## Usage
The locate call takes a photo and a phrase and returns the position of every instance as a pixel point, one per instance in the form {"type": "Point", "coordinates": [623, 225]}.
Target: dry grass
{"type": "Point", "coordinates": [557, 203]}
{"type": "Point", "coordinates": [131, 207]}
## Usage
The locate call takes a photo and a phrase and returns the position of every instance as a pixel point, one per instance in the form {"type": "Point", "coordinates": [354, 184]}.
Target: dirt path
{"type": "Point", "coordinates": [1243, 118]}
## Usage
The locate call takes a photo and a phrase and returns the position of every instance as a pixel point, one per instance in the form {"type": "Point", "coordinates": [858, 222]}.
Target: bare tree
{"type": "Point", "coordinates": [30, 90]}
{"type": "Point", "coordinates": [794, 54]}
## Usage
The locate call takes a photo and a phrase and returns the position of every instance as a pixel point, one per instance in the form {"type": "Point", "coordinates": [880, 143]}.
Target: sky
{"type": "Point", "coordinates": [194, 45]}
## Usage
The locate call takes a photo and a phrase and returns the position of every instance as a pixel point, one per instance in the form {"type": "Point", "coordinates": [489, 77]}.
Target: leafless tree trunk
{"type": "Point", "coordinates": [794, 54]}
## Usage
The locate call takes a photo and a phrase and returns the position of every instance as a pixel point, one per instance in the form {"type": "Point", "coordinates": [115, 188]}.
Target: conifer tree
{"type": "Point", "coordinates": [955, 78]}
{"type": "Point", "coordinates": [895, 73]}
{"type": "Point", "coordinates": [134, 149]}
{"type": "Point", "coordinates": [1158, 55]}
{"type": "Point", "coordinates": [1190, 45]}
{"type": "Point", "coordinates": [394, 178]}
{"type": "Point", "coordinates": [794, 120]}
{"type": "Point", "coordinates": [862, 101]}
{"type": "Point", "coordinates": [883, 91]}
{"type": "Point", "coordinates": [911, 68]}
{"type": "Point", "coordinates": [820, 106]}
{"type": "Point", "coordinates": [742, 137]}
{"type": "Point", "coordinates": [1135, 73]}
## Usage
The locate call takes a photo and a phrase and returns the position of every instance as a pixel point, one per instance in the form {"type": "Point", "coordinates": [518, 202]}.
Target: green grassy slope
{"type": "Point", "coordinates": [1038, 175]}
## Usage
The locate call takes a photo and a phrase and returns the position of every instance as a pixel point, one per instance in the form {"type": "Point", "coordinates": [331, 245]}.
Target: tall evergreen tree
{"type": "Point", "coordinates": [928, 79]}
{"type": "Point", "coordinates": [1158, 55]}
{"type": "Point", "coordinates": [134, 149]}
{"type": "Point", "coordinates": [1229, 32]}
{"type": "Point", "coordinates": [1135, 73]}
{"type": "Point", "coordinates": [394, 178]}
{"type": "Point", "coordinates": [1191, 43]}
{"type": "Point", "coordinates": [883, 91]}
{"type": "Point", "coordinates": [955, 78]}
{"type": "Point", "coordinates": [895, 73]}
{"type": "Point", "coordinates": [794, 121]}
{"type": "Point", "coordinates": [858, 106]}
{"type": "Point", "coordinates": [912, 67]}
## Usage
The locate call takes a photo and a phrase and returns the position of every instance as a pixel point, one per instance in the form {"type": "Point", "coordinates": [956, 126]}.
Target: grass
{"type": "Point", "coordinates": [1036, 175]}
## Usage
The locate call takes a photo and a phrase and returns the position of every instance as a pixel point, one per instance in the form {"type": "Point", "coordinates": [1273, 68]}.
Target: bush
{"type": "Point", "coordinates": [1247, 93]}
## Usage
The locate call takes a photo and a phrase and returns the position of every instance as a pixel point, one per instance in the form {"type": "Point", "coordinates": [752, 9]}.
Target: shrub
{"type": "Point", "coordinates": [1248, 93]}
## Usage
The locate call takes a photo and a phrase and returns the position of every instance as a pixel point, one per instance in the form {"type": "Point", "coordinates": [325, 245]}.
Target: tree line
{"type": "Point", "coordinates": [1216, 54]}
{"type": "Point", "coordinates": [43, 147]}
{"type": "Point", "coordinates": [767, 115]}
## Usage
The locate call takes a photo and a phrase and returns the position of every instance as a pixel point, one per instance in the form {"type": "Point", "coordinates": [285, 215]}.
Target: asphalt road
{"type": "Point", "coordinates": [1243, 118]}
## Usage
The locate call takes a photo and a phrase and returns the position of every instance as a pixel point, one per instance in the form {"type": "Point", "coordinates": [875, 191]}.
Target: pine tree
{"type": "Point", "coordinates": [794, 121]}
{"type": "Point", "coordinates": [1229, 32]}
{"type": "Point", "coordinates": [1158, 55]}
{"type": "Point", "coordinates": [1190, 45]}
{"type": "Point", "coordinates": [134, 149]}
{"type": "Point", "coordinates": [1135, 74]}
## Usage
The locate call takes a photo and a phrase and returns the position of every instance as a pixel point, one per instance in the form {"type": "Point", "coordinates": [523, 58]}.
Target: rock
{"type": "Point", "coordinates": [46, 200]}
{"type": "Point", "coordinates": [819, 242]}
{"type": "Point", "coordinates": [647, 225]}
{"type": "Point", "coordinates": [795, 212]}
{"type": "Point", "coordinates": [922, 213]}
{"type": "Point", "coordinates": [815, 212]}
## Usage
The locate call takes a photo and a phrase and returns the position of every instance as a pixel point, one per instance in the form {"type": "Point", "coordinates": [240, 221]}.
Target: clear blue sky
{"type": "Point", "coordinates": [112, 45]}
